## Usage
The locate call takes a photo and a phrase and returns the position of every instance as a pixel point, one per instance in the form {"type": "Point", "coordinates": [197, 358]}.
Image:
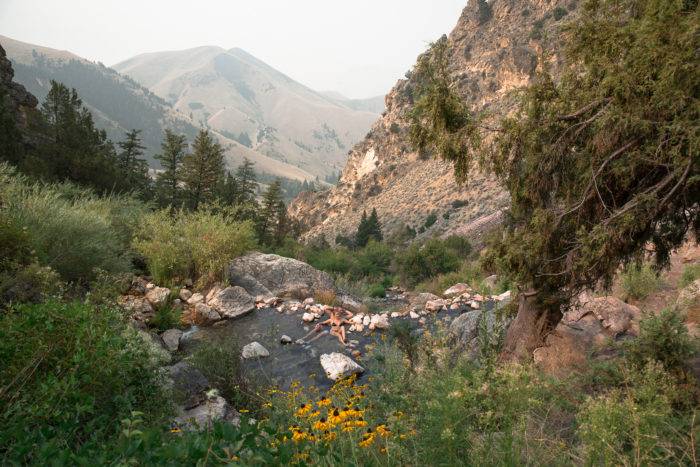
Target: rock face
{"type": "Point", "coordinates": [232, 302]}
{"type": "Point", "coordinates": [465, 329]}
{"type": "Point", "coordinates": [275, 276]}
{"type": "Point", "coordinates": [490, 55]}
{"type": "Point", "coordinates": [17, 98]}
{"type": "Point", "coordinates": [585, 331]}
{"type": "Point", "coordinates": [338, 366]}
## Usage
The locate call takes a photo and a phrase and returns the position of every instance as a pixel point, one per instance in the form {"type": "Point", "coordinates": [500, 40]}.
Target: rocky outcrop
{"type": "Point", "coordinates": [267, 276]}
{"type": "Point", "coordinates": [17, 98]}
{"type": "Point", "coordinates": [490, 56]}
{"type": "Point", "coordinates": [232, 302]}
{"type": "Point", "coordinates": [586, 331]}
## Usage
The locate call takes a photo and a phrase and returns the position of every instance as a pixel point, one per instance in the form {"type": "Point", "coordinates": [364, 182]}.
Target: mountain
{"type": "Point", "coordinates": [248, 101]}
{"type": "Point", "coordinates": [494, 50]}
{"type": "Point", "coordinates": [371, 104]}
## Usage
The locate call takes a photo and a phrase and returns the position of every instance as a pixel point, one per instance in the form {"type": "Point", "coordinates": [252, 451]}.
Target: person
{"type": "Point", "coordinates": [337, 320]}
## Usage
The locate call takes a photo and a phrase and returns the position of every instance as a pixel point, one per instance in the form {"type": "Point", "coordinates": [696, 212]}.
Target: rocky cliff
{"type": "Point", "coordinates": [18, 99]}
{"type": "Point", "coordinates": [494, 49]}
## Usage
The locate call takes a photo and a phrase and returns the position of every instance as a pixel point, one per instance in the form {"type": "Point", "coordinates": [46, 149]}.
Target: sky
{"type": "Point", "coordinates": [359, 48]}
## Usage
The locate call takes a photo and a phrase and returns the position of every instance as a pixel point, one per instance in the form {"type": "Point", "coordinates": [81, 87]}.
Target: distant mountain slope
{"type": "Point", "coordinates": [119, 103]}
{"type": "Point", "coordinates": [247, 100]}
{"type": "Point", "coordinates": [372, 104]}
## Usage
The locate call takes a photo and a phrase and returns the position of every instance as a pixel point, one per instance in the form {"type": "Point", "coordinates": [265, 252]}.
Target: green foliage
{"type": "Point", "coordinates": [376, 291]}
{"type": "Point", "coordinates": [133, 170]}
{"type": "Point", "coordinates": [440, 121]}
{"type": "Point", "coordinates": [430, 220]}
{"type": "Point", "coordinates": [220, 362]}
{"type": "Point", "coordinates": [639, 280]}
{"type": "Point", "coordinates": [203, 169]}
{"type": "Point", "coordinates": [272, 220]}
{"type": "Point", "coordinates": [691, 273]}
{"type": "Point", "coordinates": [197, 245]}
{"type": "Point", "coordinates": [70, 372]}
{"type": "Point", "coordinates": [168, 190]}
{"type": "Point", "coordinates": [70, 230]}
{"type": "Point", "coordinates": [29, 284]}
{"type": "Point", "coordinates": [460, 245]}
{"type": "Point", "coordinates": [663, 338]}
{"type": "Point", "coordinates": [368, 229]}
{"type": "Point", "coordinates": [166, 317]}
{"type": "Point", "coordinates": [372, 261]}
{"type": "Point", "coordinates": [420, 262]}
{"type": "Point", "coordinates": [559, 12]}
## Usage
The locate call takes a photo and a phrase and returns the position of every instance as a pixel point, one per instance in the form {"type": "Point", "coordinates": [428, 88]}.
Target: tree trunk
{"type": "Point", "coordinates": [529, 329]}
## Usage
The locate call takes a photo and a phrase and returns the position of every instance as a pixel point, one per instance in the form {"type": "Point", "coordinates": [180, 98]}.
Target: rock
{"type": "Point", "coordinates": [205, 314]}
{"type": "Point", "coordinates": [338, 366]}
{"type": "Point", "coordinates": [195, 298]}
{"type": "Point", "coordinates": [156, 353]}
{"type": "Point", "coordinates": [349, 303]}
{"type": "Point", "coordinates": [136, 305]}
{"type": "Point", "coordinates": [171, 339]}
{"type": "Point", "coordinates": [188, 383]}
{"type": "Point", "coordinates": [689, 299]}
{"type": "Point", "coordinates": [380, 322]}
{"type": "Point", "coordinates": [419, 300]}
{"type": "Point", "coordinates": [254, 350]}
{"type": "Point", "coordinates": [356, 353]}
{"type": "Point", "coordinates": [201, 417]}
{"type": "Point", "coordinates": [213, 292]}
{"type": "Point", "coordinates": [464, 330]}
{"type": "Point", "coordinates": [395, 314]}
{"type": "Point", "coordinates": [150, 286]}
{"type": "Point", "coordinates": [435, 305]}
{"type": "Point", "coordinates": [504, 296]}
{"type": "Point", "coordinates": [232, 302]}
{"type": "Point", "coordinates": [272, 275]}
{"type": "Point", "coordinates": [455, 306]}
{"type": "Point", "coordinates": [474, 305]}
{"type": "Point", "coordinates": [366, 320]}
{"type": "Point", "coordinates": [158, 296]}
{"type": "Point", "coordinates": [300, 342]}
{"type": "Point", "coordinates": [491, 281]}
{"type": "Point", "coordinates": [284, 340]}
{"type": "Point", "coordinates": [584, 332]}
{"type": "Point", "coordinates": [456, 289]}
{"type": "Point", "coordinates": [309, 301]}
{"type": "Point", "coordinates": [422, 321]}
{"type": "Point", "coordinates": [478, 298]}
{"type": "Point", "coordinates": [414, 315]}
{"type": "Point", "coordinates": [308, 317]}
{"type": "Point", "coordinates": [185, 295]}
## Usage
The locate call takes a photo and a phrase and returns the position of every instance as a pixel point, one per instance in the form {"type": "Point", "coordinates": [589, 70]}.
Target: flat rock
{"type": "Point", "coordinates": [232, 302]}
{"type": "Point", "coordinates": [254, 350]}
{"type": "Point", "coordinates": [185, 295]}
{"type": "Point", "coordinates": [338, 366]}
{"type": "Point", "coordinates": [158, 296]}
{"type": "Point", "coordinates": [206, 315]}
{"type": "Point", "coordinates": [195, 298]}
{"type": "Point", "coordinates": [435, 305]}
{"type": "Point", "coordinates": [457, 289]}
{"type": "Point", "coordinates": [380, 322]}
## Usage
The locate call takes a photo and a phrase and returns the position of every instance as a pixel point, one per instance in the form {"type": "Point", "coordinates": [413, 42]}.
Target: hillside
{"type": "Point", "coordinates": [494, 49]}
{"type": "Point", "coordinates": [248, 101]}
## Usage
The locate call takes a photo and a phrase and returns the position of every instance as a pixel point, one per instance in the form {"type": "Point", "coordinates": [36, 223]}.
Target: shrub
{"type": "Point", "coordinates": [459, 245]}
{"type": "Point", "coordinates": [638, 281]}
{"type": "Point", "coordinates": [430, 220]}
{"type": "Point", "coordinates": [372, 261]}
{"type": "Point", "coordinates": [69, 372]}
{"type": "Point", "coordinates": [166, 317]}
{"type": "Point", "coordinates": [29, 284]}
{"type": "Point", "coordinates": [334, 261]}
{"type": "Point", "coordinates": [663, 338]}
{"type": "Point", "coordinates": [691, 272]}
{"type": "Point", "coordinates": [326, 297]}
{"type": "Point", "coordinates": [198, 245]}
{"type": "Point", "coordinates": [418, 262]}
{"type": "Point", "coordinates": [220, 361]}
{"type": "Point", "coordinates": [559, 12]}
{"type": "Point", "coordinates": [70, 230]}
{"type": "Point", "coordinates": [376, 291]}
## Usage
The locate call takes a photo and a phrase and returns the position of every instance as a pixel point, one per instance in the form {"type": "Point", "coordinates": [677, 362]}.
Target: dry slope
{"type": "Point", "coordinates": [494, 49]}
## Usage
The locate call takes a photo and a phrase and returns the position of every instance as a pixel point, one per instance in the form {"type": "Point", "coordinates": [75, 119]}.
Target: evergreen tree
{"type": "Point", "coordinates": [273, 212]}
{"type": "Point", "coordinates": [246, 183]}
{"type": "Point", "coordinates": [228, 192]}
{"type": "Point", "coordinates": [11, 149]}
{"type": "Point", "coordinates": [374, 228]}
{"type": "Point", "coordinates": [203, 169]}
{"type": "Point", "coordinates": [71, 148]}
{"type": "Point", "coordinates": [362, 234]}
{"type": "Point", "coordinates": [171, 156]}
{"type": "Point", "coordinates": [134, 169]}
{"type": "Point", "coordinates": [599, 164]}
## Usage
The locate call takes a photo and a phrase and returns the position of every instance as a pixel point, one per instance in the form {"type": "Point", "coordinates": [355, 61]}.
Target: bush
{"type": "Point", "coordinates": [197, 245]}
{"type": "Point", "coordinates": [638, 281]}
{"type": "Point", "coordinates": [334, 261]}
{"type": "Point", "coordinates": [372, 261]}
{"type": "Point", "coordinates": [418, 262]}
{"type": "Point", "coordinates": [29, 284]}
{"type": "Point", "coordinates": [559, 12]}
{"type": "Point", "coordinates": [70, 230]}
{"type": "Point", "coordinates": [459, 245]}
{"type": "Point", "coordinates": [376, 291]}
{"type": "Point", "coordinates": [166, 317]}
{"type": "Point", "coordinates": [691, 272]}
{"type": "Point", "coordinates": [69, 372]}
{"type": "Point", "coordinates": [430, 220]}
{"type": "Point", "coordinates": [326, 297]}
{"type": "Point", "coordinates": [663, 338]}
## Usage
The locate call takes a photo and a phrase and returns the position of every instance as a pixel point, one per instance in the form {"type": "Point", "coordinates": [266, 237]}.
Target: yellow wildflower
{"type": "Point", "coordinates": [383, 431]}
{"type": "Point", "coordinates": [324, 402]}
{"type": "Point", "coordinates": [334, 416]}
{"type": "Point", "coordinates": [303, 410]}
{"type": "Point", "coordinates": [322, 425]}
{"type": "Point", "coordinates": [367, 438]}
{"type": "Point", "coordinates": [330, 436]}
{"type": "Point", "coordinates": [315, 414]}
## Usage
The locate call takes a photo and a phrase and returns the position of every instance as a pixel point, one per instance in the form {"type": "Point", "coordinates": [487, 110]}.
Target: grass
{"type": "Point", "coordinates": [691, 273]}
{"type": "Point", "coordinates": [639, 281]}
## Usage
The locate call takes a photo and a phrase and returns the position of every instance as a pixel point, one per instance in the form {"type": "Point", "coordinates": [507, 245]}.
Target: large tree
{"type": "Point", "coordinates": [168, 189]}
{"type": "Point", "coordinates": [133, 168]}
{"type": "Point", "coordinates": [271, 224]}
{"type": "Point", "coordinates": [203, 169]}
{"type": "Point", "coordinates": [599, 163]}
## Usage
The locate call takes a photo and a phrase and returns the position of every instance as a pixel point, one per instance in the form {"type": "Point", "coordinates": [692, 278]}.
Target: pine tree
{"type": "Point", "coordinates": [203, 169]}
{"type": "Point", "coordinates": [362, 235]}
{"type": "Point", "coordinates": [273, 212]}
{"type": "Point", "coordinates": [374, 228]}
{"type": "Point", "coordinates": [246, 183]}
{"type": "Point", "coordinates": [171, 156]}
{"type": "Point", "coordinates": [229, 190]}
{"type": "Point", "coordinates": [134, 169]}
{"type": "Point", "coordinates": [71, 148]}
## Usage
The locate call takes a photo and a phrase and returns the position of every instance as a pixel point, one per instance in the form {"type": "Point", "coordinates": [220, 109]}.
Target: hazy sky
{"type": "Point", "coordinates": [357, 47]}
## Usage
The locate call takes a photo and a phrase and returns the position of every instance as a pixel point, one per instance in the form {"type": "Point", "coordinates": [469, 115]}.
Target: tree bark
{"type": "Point", "coordinates": [529, 329]}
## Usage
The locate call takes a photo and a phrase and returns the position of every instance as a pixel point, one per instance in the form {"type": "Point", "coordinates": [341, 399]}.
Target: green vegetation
{"type": "Point", "coordinates": [638, 281]}
{"type": "Point", "coordinates": [202, 170]}
{"type": "Point", "coordinates": [191, 245]}
{"type": "Point", "coordinates": [690, 274]}
{"type": "Point", "coordinates": [368, 229]}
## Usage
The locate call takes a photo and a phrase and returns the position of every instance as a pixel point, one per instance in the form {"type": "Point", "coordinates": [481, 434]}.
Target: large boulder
{"type": "Point", "coordinates": [585, 331]}
{"type": "Point", "coordinates": [201, 417]}
{"type": "Point", "coordinates": [338, 366]}
{"type": "Point", "coordinates": [232, 302]}
{"type": "Point", "coordinates": [171, 339]}
{"type": "Point", "coordinates": [188, 383]}
{"type": "Point", "coordinates": [158, 296]}
{"type": "Point", "coordinates": [254, 350]}
{"type": "Point", "coordinates": [464, 330]}
{"type": "Point", "coordinates": [269, 276]}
